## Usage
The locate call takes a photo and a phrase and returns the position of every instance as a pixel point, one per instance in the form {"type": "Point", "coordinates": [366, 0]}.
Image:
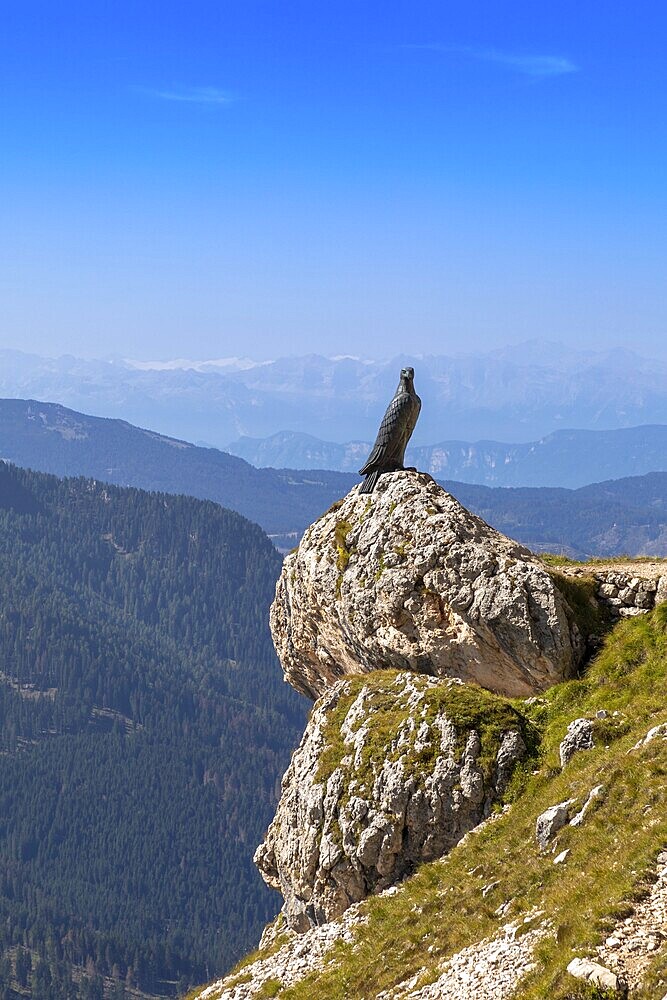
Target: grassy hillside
{"type": "Point", "coordinates": [443, 908]}
{"type": "Point", "coordinates": [144, 727]}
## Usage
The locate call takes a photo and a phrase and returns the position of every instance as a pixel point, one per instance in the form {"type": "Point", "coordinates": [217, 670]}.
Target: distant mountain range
{"type": "Point", "coordinates": [516, 394]}
{"type": "Point", "coordinates": [619, 517]}
{"type": "Point", "coordinates": [569, 458]}
{"type": "Point", "coordinates": [627, 515]}
{"type": "Point", "coordinates": [50, 438]}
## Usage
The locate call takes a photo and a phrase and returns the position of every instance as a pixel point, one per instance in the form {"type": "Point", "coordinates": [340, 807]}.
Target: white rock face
{"type": "Point", "coordinates": [583, 968]}
{"type": "Point", "coordinates": [297, 956]}
{"type": "Point", "coordinates": [551, 821]}
{"type": "Point", "coordinates": [408, 578]}
{"type": "Point", "coordinates": [633, 943]}
{"type": "Point", "coordinates": [386, 777]}
{"type": "Point", "coordinates": [594, 794]}
{"type": "Point", "coordinates": [488, 970]}
{"type": "Point", "coordinates": [579, 736]}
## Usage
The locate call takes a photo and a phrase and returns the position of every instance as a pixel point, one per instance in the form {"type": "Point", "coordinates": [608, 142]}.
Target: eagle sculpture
{"type": "Point", "coordinates": [396, 428]}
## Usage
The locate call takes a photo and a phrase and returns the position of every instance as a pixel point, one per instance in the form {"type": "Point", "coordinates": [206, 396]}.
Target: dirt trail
{"type": "Point", "coordinates": [650, 569]}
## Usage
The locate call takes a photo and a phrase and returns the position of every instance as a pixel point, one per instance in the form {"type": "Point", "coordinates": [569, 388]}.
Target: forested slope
{"type": "Point", "coordinates": [51, 438]}
{"type": "Point", "coordinates": [144, 727]}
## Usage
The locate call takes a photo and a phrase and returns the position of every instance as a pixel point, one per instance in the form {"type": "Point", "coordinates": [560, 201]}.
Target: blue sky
{"type": "Point", "coordinates": [262, 178]}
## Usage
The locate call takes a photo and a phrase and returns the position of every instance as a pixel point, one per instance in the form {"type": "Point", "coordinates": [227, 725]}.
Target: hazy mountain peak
{"type": "Point", "coordinates": [519, 393]}
{"type": "Point", "coordinates": [183, 364]}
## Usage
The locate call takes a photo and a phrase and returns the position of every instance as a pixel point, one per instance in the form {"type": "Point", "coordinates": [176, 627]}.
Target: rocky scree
{"type": "Point", "coordinates": [408, 579]}
{"type": "Point", "coordinates": [393, 770]}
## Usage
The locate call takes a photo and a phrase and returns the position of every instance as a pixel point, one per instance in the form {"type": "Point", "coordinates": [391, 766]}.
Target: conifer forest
{"type": "Point", "coordinates": [144, 727]}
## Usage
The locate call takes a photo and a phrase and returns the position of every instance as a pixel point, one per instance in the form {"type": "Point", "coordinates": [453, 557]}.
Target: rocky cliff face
{"type": "Point", "coordinates": [392, 771]}
{"type": "Point", "coordinates": [401, 874]}
{"type": "Point", "coordinates": [395, 768]}
{"type": "Point", "coordinates": [409, 579]}
{"type": "Point", "coordinates": [561, 894]}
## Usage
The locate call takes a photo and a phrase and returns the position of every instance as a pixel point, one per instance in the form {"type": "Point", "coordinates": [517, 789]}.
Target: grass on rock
{"type": "Point", "coordinates": [387, 709]}
{"type": "Point", "coordinates": [553, 559]}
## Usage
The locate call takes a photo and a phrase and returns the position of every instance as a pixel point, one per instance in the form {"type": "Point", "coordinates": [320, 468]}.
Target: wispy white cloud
{"type": "Point", "coordinates": [529, 65]}
{"type": "Point", "coordinates": [191, 95]}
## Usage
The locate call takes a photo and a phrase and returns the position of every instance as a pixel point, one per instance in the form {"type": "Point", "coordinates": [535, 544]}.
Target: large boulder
{"type": "Point", "coordinates": [407, 578]}
{"type": "Point", "coordinates": [393, 770]}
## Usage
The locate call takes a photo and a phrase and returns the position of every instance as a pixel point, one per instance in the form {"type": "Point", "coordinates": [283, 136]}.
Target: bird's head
{"type": "Point", "coordinates": [407, 374]}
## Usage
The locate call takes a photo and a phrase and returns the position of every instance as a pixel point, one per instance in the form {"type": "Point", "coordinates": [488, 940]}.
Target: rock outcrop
{"type": "Point", "coordinates": [551, 821]}
{"type": "Point", "coordinates": [409, 579]}
{"type": "Point", "coordinates": [488, 970]}
{"type": "Point", "coordinates": [625, 588]}
{"type": "Point", "coordinates": [597, 975]}
{"type": "Point", "coordinates": [392, 771]}
{"type": "Point", "coordinates": [635, 939]}
{"type": "Point", "coordinates": [396, 768]}
{"type": "Point", "coordinates": [579, 736]}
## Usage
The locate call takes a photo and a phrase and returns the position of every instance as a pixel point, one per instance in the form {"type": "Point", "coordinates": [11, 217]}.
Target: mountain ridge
{"type": "Point", "coordinates": [626, 516]}
{"type": "Point", "coordinates": [570, 457]}
{"type": "Point", "coordinates": [515, 393]}
{"type": "Point", "coordinates": [55, 439]}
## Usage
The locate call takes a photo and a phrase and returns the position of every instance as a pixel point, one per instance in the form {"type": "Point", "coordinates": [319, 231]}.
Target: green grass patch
{"type": "Point", "coordinates": [381, 567]}
{"type": "Point", "coordinates": [343, 554]}
{"type": "Point", "coordinates": [580, 593]}
{"type": "Point", "coordinates": [340, 534]}
{"type": "Point", "coordinates": [552, 559]}
{"type": "Point", "coordinates": [270, 988]}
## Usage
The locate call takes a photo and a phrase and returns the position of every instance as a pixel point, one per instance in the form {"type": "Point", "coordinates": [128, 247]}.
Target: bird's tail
{"type": "Point", "coordinates": [370, 481]}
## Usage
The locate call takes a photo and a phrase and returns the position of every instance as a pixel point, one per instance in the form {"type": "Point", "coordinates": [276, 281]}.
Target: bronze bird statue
{"type": "Point", "coordinates": [396, 428]}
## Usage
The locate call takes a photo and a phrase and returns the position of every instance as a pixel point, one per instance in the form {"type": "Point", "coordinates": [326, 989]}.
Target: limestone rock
{"type": "Point", "coordinates": [295, 957]}
{"type": "Point", "coordinates": [626, 589]}
{"type": "Point", "coordinates": [491, 969]}
{"type": "Point", "coordinates": [408, 578]}
{"type": "Point", "coordinates": [652, 734]}
{"type": "Point", "coordinates": [551, 821]}
{"type": "Point", "coordinates": [386, 777]}
{"type": "Point", "coordinates": [630, 949]}
{"type": "Point", "coordinates": [594, 794]}
{"type": "Point", "coordinates": [579, 736]}
{"type": "Point", "coordinates": [591, 972]}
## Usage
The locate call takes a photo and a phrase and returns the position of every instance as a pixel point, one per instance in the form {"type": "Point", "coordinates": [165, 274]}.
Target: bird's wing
{"type": "Point", "coordinates": [388, 439]}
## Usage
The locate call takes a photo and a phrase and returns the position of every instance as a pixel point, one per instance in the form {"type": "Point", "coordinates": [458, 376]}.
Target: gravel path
{"type": "Point", "coordinates": [647, 569]}
{"type": "Point", "coordinates": [632, 945]}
